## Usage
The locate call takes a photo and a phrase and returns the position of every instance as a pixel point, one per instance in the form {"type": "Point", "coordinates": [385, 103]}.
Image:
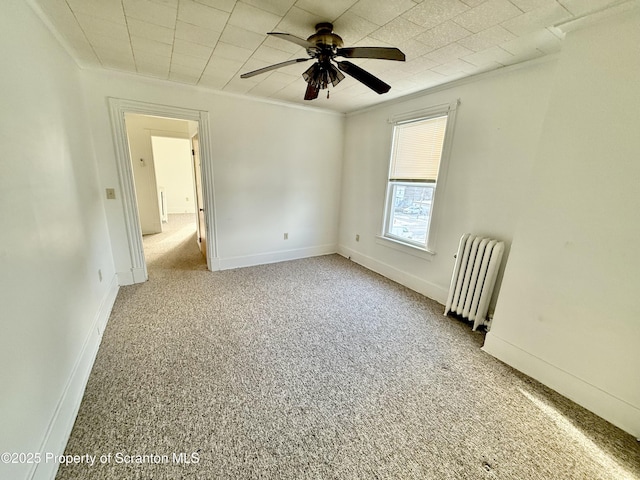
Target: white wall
{"type": "Point", "coordinates": [53, 241]}
{"type": "Point", "coordinates": [144, 175]}
{"type": "Point", "coordinates": [174, 173]}
{"type": "Point", "coordinates": [276, 169]}
{"type": "Point", "coordinates": [496, 134]}
{"type": "Point", "coordinates": [568, 313]}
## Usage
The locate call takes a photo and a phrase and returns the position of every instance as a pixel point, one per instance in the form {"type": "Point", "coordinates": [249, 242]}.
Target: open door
{"type": "Point", "coordinates": [202, 231]}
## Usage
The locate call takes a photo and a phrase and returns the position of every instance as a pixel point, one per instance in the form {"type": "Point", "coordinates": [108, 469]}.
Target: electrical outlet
{"type": "Point", "coordinates": [111, 193]}
{"type": "Point", "coordinates": [357, 237]}
{"type": "Point", "coordinates": [286, 236]}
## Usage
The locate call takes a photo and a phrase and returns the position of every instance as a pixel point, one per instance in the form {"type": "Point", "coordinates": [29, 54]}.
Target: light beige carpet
{"type": "Point", "coordinates": [316, 369]}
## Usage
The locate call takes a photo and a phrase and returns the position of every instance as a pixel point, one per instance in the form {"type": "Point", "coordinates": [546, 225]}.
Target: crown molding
{"type": "Point", "coordinates": [456, 83]}
{"type": "Point", "coordinates": [596, 16]}
{"type": "Point", "coordinates": [173, 84]}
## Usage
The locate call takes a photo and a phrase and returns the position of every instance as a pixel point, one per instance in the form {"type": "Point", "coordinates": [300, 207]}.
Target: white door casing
{"type": "Point", "coordinates": [117, 109]}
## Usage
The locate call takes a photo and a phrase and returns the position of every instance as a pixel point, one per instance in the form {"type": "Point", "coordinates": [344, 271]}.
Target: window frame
{"type": "Point", "coordinates": [428, 248]}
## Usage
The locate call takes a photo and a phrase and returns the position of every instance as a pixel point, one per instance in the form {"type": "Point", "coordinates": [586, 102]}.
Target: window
{"type": "Point", "coordinates": [416, 158]}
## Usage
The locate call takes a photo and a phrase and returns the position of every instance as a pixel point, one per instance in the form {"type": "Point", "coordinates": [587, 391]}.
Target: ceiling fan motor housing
{"type": "Point", "coordinates": [324, 36]}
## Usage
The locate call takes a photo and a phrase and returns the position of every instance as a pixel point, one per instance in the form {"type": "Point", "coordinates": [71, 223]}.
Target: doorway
{"type": "Point", "coordinates": [127, 159]}
{"type": "Point", "coordinates": [167, 174]}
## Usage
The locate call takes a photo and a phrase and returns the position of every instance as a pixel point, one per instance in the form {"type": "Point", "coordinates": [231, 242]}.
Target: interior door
{"type": "Point", "coordinates": [202, 231]}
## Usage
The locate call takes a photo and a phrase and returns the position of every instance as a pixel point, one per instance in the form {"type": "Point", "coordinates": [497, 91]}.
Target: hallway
{"type": "Point", "coordinates": [176, 248]}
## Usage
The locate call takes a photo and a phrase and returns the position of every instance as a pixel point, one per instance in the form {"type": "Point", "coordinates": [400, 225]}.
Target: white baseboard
{"type": "Point", "coordinates": [273, 257]}
{"type": "Point", "coordinates": [428, 289]}
{"type": "Point", "coordinates": [57, 434]}
{"type": "Point", "coordinates": [615, 410]}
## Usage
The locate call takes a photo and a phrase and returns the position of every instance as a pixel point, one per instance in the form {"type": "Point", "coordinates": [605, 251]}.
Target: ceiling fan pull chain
{"type": "Point", "coordinates": [327, 93]}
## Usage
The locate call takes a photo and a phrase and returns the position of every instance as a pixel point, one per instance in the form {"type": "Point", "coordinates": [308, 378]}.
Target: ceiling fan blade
{"type": "Point", "coordinates": [273, 67]}
{"type": "Point", "coordinates": [311, 93]}
{"type": "Point", "coordinates": [374, 83]}
{"type": "Point", "coordinates": [292, 38]}
{"type": "Point", "coordinates": [383, 53]}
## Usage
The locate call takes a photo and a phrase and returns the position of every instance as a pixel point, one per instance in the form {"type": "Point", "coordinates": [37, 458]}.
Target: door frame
{"type": "Point", "coordinates": [117, 109]}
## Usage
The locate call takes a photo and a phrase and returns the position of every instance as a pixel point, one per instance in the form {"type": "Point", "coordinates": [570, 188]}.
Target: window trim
{"type": "Point", "coordinates": [450, 110]}
{"type": "Point", "coordinates": [404, 247]}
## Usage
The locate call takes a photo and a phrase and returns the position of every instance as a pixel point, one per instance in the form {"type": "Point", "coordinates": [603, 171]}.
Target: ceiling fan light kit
{"type": "Point", "coordinates": [324, 46]}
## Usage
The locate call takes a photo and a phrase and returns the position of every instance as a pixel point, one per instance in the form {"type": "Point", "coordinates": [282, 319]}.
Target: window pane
{"type": "Point", "coordinates": [410, 211]}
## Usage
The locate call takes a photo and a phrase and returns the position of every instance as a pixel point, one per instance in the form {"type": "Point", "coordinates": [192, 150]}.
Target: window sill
{"type": "Point", "coordinates": [405, 248]}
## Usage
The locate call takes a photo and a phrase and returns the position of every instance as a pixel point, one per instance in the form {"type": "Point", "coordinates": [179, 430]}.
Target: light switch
{"type": "Point", "coordinates": [111, 193]}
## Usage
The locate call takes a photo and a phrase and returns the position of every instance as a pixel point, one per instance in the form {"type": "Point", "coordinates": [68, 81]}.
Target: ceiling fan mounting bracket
{"type": "Point", "coordinates": [324, 26]}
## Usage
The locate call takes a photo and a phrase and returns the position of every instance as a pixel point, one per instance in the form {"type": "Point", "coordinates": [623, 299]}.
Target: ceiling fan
{"type": "Point", "coordinates": [324, 46]}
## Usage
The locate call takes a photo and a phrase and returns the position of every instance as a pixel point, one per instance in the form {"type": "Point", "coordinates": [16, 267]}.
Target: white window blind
{"type": "Point", "coordinates": [417, 148]}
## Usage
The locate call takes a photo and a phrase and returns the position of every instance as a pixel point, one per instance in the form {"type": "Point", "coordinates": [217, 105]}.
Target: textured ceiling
{"type": "Point", "coordinates": [209, 43]}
